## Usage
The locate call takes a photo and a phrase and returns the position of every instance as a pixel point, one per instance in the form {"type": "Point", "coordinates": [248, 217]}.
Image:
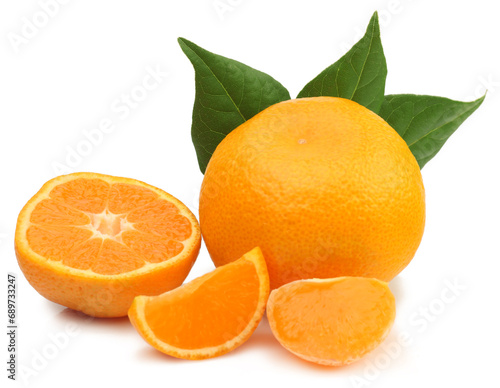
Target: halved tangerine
{"type": "Point", "coordinates": [93, 242]}
{"type": "Point", "coordinates": [331, 321]}
{"type": "Point", "coordinates": [209, 316]}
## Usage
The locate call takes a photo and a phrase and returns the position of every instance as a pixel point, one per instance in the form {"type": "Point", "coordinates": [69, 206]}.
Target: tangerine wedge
{"type": "Point", "coordinates": [331, 321]}
{"type": "Point", "coordinates": [209, 316]}
{"type": "Point", "coordinates": [93, 242]}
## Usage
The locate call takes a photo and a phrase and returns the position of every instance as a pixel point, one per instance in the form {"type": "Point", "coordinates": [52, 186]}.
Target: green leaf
{"type": "Point", "coordinates": [359, 75]}
{"type": "Point", "coordinates": [425, 122]}
{"type": "Point", "coordinates": [227, 94]}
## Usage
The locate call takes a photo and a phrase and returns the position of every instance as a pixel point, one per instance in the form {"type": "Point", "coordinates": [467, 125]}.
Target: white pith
{"type": "Point", "coordinates": [108, 225]}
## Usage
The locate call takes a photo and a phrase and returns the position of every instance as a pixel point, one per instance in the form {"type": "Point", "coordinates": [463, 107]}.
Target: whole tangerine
{"type": "Point", "coordinates": [323, 185]}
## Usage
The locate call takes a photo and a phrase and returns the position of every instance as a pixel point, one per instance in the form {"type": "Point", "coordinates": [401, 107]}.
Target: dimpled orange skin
{"type": "Point", "coordinates": [323, 185]}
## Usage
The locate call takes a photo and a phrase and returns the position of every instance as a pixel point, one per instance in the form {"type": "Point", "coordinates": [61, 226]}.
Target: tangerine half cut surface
{"type": "Point", "coordinates": [331, 321]}
{"type": "Point", "coordinates": [209, 316]}
{"type": "Point", "coordinates": [93, 242]}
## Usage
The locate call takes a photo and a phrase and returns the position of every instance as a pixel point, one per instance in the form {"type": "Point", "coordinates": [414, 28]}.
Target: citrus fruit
{"type": "Point", "coordinates": [93, 242]}
{"type": "Point", "coordinates": [323, 185]}
{"type": "Point", "coordinates": [209, 316]}
{"type": "Point", "coordinates": [331, 321]}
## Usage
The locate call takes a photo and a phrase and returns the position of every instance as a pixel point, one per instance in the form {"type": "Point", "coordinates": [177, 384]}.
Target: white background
{"type": "Point", "coordinates": [65, 79]}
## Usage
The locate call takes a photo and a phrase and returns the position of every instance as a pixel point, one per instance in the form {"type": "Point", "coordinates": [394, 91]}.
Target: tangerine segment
{"type": "Point", "coordinates": [56, 242]}
{"type": "Point", "coordinates": [125, 197]}
{"type": "Point", "coordinates": [83, 257]}
{"type": "Point", "coordinates": [331, 321]}
{"type": "Point", "coordinates": [93, 242]}
{"type": "Point", "coordinates": [52, 212]}
{"type": "Point", "coordinates": [209, 316]}
{"type": "Point", "coordinates": [158, 218]}
{"type": "Point", "coordinates": [152, 248]}
{"type": "Point", "coordinates": [115, 258]}
{"type": "Point", "coordinates": [89, 195]}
